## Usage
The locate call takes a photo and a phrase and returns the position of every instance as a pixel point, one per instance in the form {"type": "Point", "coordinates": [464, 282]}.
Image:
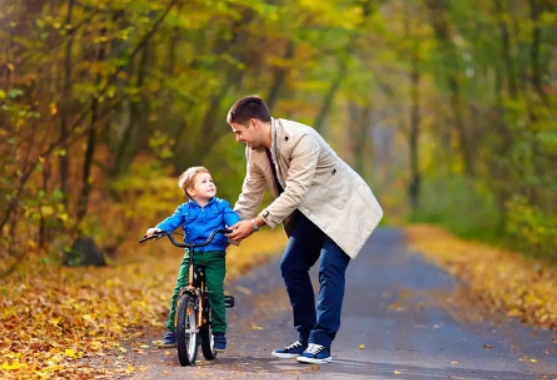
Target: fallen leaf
{"type": "Point", "coordinates": [488, 346]}
{"type": "Point", "coordinates": [71, 353]}
{"type": "Point", "coordinates": [397, 372]}
{"type": "Point", "coordinates": [361, 346]}
{"type": "Point", "coordinates": [454, 362]}
{"type": "Point", "coordinates": [242, 290]}
{"type": "Point", "coordinates": [534, 360]}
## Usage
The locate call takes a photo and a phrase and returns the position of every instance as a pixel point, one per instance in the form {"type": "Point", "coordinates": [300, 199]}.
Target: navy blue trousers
{"type": "Point", "coordinates": [307, 244]}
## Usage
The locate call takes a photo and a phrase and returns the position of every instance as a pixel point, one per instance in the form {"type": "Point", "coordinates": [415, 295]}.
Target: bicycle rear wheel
{"type": "Point", "coordinates": [206, 335]}
{"type": "Point", "coordinates": [186, 331]}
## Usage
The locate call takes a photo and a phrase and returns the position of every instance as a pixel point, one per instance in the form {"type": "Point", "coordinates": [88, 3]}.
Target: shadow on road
{"type": "Point", "coordinates": [345, 369]}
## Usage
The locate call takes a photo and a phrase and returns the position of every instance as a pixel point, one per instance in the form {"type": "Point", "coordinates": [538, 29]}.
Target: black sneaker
{"type": "Point", "coordinates": [290, 352]}
{"type": "Point", "coordinates": [219, 342]}
{"type": "Point", "coordinates": [169, 340]}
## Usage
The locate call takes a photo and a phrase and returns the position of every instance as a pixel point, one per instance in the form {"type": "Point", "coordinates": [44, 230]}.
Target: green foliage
{"type": "Point", "coordinates": [105, 102]}
{"type": "Point", "coordinates": [534, 230]}
{"type": "Point", "coordinates": [454, 202]}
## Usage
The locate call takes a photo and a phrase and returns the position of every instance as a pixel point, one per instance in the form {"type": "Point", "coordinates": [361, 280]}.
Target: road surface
{"type": "Point", "coordinates": [403, 318]}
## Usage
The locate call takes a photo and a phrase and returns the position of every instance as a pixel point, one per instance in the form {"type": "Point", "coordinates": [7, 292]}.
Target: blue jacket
{"type": "Point", "coordinates": [198, 223]}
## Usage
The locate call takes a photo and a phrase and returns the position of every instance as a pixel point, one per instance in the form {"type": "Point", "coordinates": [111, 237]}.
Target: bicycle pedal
{"type": "Point", "coordinates": [229, 301]}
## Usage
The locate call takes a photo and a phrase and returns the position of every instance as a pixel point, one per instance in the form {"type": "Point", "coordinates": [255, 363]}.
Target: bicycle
{"type": "Point", "coordinates": [193, 316]}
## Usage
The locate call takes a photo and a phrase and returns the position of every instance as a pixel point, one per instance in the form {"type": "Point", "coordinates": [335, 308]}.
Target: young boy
{"type": "Point", "coordinates": [200, 216]}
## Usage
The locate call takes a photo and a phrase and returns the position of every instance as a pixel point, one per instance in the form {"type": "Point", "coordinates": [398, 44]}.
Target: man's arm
{"type": "Point", "coordinates": [252, 193]}
{"type": "Point", "coordinates": [298, 181]}
{"type": "Point", "coordinates": [299, 178]}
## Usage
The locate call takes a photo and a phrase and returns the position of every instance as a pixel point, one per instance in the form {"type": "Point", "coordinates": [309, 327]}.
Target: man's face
{"type": "Point", "coordinates": [249, 135]}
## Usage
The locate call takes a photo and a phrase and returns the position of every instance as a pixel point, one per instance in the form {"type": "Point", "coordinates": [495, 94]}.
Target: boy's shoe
{"type": "Point", "coordinates": [290, 352]}
{"type": "Point", "coordinates": [169, 340]}
{"type": "Point", "coordinates": [219, 342]}
{"type": "Point", "coordinates": [315, 354]}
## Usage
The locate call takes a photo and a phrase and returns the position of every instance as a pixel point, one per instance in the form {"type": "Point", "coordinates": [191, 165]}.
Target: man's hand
{"type": "Point", "coordinates": [240, 230]}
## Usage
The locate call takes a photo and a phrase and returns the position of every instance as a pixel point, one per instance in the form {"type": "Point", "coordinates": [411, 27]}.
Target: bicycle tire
{"type": "Point", "coordinates": [206, 336]}
{"type": "Point", "coordinates": [187, 336]}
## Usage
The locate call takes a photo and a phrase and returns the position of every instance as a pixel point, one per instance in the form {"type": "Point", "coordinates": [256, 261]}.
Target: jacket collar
{"type": "Point", "coordinates": [274, 133]}
{"type": "Point", "coordinates": [194, 204]}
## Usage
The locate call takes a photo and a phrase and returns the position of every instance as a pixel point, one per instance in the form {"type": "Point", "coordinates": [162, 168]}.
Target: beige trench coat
{"type": "Point", "coordinates": [315, 181]}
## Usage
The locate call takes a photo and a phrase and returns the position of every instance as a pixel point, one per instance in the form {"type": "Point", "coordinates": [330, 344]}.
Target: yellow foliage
{"type": "Point", "coordinates": [503, 281]}
{"type": "Point", "coordinates": [52, 316]}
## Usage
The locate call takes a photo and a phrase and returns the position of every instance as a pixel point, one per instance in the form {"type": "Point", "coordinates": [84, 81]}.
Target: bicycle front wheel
{"type": "Point", "coordinates": [187, 334]}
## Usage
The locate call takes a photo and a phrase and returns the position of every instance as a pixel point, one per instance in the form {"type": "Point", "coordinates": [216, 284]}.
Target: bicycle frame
{"type": "Point", "coordinates": [195, 288]}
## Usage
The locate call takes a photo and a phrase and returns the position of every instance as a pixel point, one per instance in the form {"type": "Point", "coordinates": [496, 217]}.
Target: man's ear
{"type": "Point", "coordinates": [254, 123]}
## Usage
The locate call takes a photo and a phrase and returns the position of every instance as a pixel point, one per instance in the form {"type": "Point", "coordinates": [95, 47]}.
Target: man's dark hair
{"type": "Point", "coordinates": [248, 107]}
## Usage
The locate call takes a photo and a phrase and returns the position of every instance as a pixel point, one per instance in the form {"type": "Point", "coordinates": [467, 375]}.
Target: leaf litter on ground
{"type": "Point", "coordinates": [499, 280]}
{"type": "Point", "coordinates": [52, 316]}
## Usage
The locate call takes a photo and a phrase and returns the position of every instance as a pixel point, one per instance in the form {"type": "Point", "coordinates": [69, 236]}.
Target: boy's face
{"type": "Point", "coordinates": [203, 187]}
{"type": "Point", "coordinates": [249, 135]}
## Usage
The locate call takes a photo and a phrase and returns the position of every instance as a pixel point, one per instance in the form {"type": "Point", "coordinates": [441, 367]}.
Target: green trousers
{"type": "Point", "coordinates": [215, 270]}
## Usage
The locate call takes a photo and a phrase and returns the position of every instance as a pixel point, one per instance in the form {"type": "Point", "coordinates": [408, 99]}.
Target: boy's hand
{"type": "Point", "coordinates": [151, 231]}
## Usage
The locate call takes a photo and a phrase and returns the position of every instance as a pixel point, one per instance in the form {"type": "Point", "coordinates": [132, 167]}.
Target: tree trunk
{"type": "Point", "coordinates": [126, 146]}
{"type": "Point", "coordinates": [319, 121]}
{"type": "Point", "coordinates": [535, 10]}
{"type": "Point", "coordinates": [440, 28]}
{"type": "Point", "coordinates": [279, 77]}
{"type": "Point", "coordinates": [506, 46]}
{"type": "Point", "coordinates": [64, 108]}
{"type": "Point", "coordinates": [91, 144]}
{"type": "Point", "coordinates": [415, 180]}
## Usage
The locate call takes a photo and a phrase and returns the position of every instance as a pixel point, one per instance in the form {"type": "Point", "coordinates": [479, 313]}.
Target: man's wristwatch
{"type": "Point", "coordinates": [255, 226]}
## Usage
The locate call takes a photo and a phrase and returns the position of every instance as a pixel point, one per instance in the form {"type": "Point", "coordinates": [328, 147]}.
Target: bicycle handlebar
{"type": "Point", "coordinates": [158, 235]}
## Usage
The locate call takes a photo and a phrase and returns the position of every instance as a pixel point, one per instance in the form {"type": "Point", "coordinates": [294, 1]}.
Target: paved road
{"type": "Point", "coordinates": [397, 306]}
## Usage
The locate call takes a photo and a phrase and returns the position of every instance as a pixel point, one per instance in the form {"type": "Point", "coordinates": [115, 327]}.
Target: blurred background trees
{"type": "Point", "coordinates": [447, 108]}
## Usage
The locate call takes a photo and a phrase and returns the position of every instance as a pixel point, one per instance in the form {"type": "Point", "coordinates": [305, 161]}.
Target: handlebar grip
{"type": "Point", "coordinates": [156, 235]}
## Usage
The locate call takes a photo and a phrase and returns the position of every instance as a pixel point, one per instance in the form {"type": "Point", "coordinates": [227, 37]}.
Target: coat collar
{"type": "Point", "coordinates": [194, 204]}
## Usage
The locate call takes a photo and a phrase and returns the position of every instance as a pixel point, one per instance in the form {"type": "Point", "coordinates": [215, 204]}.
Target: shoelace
{"type": "Point", "coordinates": [314, 349]}
{"type": "Point", "coordinates": [296, 344]}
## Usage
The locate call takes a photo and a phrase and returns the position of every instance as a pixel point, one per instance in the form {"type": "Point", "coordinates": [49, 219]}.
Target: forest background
{"type": "Point", "coordinates": [447, 109]}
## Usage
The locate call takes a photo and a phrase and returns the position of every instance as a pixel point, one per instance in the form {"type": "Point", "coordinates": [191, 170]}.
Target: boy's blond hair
{"type": "Point", "coordinates": [186, 178]}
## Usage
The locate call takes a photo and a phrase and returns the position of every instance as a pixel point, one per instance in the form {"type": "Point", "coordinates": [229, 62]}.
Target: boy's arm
{"type": "Point", "coordinates": [173, 221]}
{"type": "Point", "coordinates": [231, 217]}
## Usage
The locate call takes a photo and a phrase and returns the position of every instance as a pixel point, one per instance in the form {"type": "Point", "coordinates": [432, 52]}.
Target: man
{"type": "Point", "coordinates": [327, 210]}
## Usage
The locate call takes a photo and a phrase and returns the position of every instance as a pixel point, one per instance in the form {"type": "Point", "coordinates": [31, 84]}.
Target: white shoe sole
{"type": "Point", "coordinates": [284, 356]}
{"type": "Point", "coordinates": [303, 359]}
